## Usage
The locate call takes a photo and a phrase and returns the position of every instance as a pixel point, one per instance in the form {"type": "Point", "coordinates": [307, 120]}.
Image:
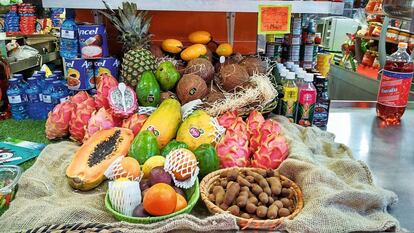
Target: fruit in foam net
{"type": "Point", "coordinates": [164, 128]}
{"type": "Point", "coordinates": [254, 124]}
{"type": "Point", "coordinates": [183, 163]}
{"type": "Point", "coordinates": [224, 49]}
{"type": "Point", "coordinates": [134, 122]}
{"type": "Point", "coordinates": [181, 203]}
{"type": "Point", "coordinates": [172, 46]}
{"type": "Point", "coordinates": [193, 51]}
{"type": "Point", "coordinates": [99, 120]}
{"type": "Point", "coordinates": [159, 175]}
{"type": "Point", "coordinates": [86, 170]}
{"type": "Point", "coordinates": [160, 200]}
{"type": "Point", "coordinates": [80, 117]}
{"type": "Point", "coordinates": [102, 90]}
{"type": "Point", "coordinates": [197, 129]}
{"type": "Point", "coordinates": [200, 37]}
{"type": "Point", "coordinates": [131, 169]}
{"type": "Point", "coordinates": [191, 87]}
{"type": "Point", "coordinates": [57, 124]}
{"type": "Point", "coordinates": [144, 146]}
{"type": "Point", "coordinates": [151, 163]}
{"type": "Point", "coordinates": [233, 149]}
{"type": "Point", "coordinates": [116, 102]}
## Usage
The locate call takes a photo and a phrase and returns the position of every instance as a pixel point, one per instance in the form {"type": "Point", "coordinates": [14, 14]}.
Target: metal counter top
{"type": "Point", "coordinates": [388, 150]}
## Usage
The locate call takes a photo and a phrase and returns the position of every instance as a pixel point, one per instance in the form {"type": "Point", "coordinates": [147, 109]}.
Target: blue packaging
{"type": "Point", "coordinates": [109, 66]}
{"type": "Point", "coordinates": [93, 41]}
{"type": "Point", "coordinates": [79, 74]}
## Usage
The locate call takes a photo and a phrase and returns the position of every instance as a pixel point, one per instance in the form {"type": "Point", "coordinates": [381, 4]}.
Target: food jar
{"type": "Point", "coordinates": [404, 36]}
{"type": "Point", "coordinates": [392, 34]}
{"type": "Point", "coordinates": [377, 30]}
{"type": "Point", "coordinates": [9, 177]}
{"type": "Point", "coordinates": [368, 58]}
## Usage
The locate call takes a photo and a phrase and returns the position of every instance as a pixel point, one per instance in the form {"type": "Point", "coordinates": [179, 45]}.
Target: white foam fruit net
{"type": "Point", "coordinates": [189, 108]}
{"type": "Point", "coordinates": [146, 110]}
{"type": "Point", "coordinates": [218, 130]}
{"type": "Point", "coordinates": [124, 196]}
{"type": "Point", "coordinates": [115, 170]}
{"type": "Point", "coordinates": [179, 161]}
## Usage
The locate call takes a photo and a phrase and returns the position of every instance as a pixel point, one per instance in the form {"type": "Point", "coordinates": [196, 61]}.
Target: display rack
{"type": "Point", "coordinates": [34, 61]}
{"type": "Point", "coordinates": [335, 8]}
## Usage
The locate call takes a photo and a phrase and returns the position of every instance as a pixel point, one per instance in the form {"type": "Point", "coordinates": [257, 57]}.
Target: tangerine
{"type": "Point", "coordinates": [181, 203]}
{"type": "Point", "coordinates": [130, 168]}
{"type": "Point", "coordinates": [160, 199]}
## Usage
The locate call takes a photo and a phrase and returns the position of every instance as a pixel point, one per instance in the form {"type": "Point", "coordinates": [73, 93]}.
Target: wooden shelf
{"type": "Point", "coordinates": [323, 7]}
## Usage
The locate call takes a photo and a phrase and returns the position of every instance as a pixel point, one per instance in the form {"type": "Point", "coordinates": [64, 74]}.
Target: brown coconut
{"type": "Point", "coordinates": [213, 95]}
{"type": "Point", "coordinates": [156, 51]}
{"type": "Point", "coordinates": [201, 67]}
{"type": "Point", "coordinates": [232, 76]}
{"type": "Point", "coordinates": [253, 65]}
{"type": "Point", "coordinates": [233, 59]}
{"type": "Point", "coordinates": [191, 87]}
{"type": "Point", "coordinates": [167, 95]}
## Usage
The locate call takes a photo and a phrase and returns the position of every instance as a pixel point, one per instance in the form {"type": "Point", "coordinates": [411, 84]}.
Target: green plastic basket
{"type": "Point", "coordinates": [192, 194]}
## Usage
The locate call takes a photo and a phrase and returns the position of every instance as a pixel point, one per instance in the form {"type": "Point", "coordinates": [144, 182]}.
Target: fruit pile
{"type": "Point", "coordinates": [259, 194]}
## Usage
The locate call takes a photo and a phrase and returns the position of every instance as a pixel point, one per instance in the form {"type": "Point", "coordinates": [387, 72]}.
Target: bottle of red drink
{"type": "Point", "coordinates": [395, 86]}
{"type": "Point", "coordinates": [306, 103]}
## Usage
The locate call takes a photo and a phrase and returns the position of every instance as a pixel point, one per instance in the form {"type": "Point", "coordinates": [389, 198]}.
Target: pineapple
{"type": "Point", "coordinates": [133, 27]}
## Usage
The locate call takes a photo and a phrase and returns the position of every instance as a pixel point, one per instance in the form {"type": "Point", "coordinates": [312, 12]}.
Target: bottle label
{"type": "Point", "coordinates": [307, 100]}
{"type": "Point", "coordinates": [68, 34]}
{"type": "Point", "coordinates": [47, 99]}
{"type": "Point", "coordinates": [394, 88]}
{"type": "Point", "coordinates": [289, 102]}
{"type": "Point", "coordinates": [321, 113]}
{"type": "Point", "coordinates": [33, 98]}
{"type": "Point", "coordinates": [41, 97]}
{"type": "Point", "coordinates": [64, 99]}
{"type": "Point", "coordinates": [15, 99]}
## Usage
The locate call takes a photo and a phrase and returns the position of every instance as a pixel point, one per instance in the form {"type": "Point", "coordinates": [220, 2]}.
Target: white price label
{"type": "Point", "coordinates": [47, 99]}
{"type": "Point", "coordinates": [15, 99]}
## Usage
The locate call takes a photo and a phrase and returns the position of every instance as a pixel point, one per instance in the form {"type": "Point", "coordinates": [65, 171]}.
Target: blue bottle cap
{"type": "Point", "coordinates": [18, 76]}
{"type": "Point", "coordinates": [53, 76]}
{"type": "Point", "coordinates": [41, 72]}
{"type": "Point", "coordinates": [13, 80]}
{"type": "Point", "coordinates": [49, 80]}
{"type": "Point", "coordinates": [32, 80]}
{"type": "Point", "coordinates": [58, 73]}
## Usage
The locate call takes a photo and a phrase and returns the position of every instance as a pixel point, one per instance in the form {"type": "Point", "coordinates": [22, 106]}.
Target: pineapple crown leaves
{"type": "Point", "coordinates": [131, 23]}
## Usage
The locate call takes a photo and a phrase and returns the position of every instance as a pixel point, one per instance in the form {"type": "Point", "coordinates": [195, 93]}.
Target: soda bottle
{"type": "Point", "coordinates": [59, 93]}
{"type": "Point", "coordinates": [321, 113]}
{"type": "Point", "coordinates": [15, 97]}
{"type": "Point", "coordinates": [290, 97]}
{"type": "Point", "coordinates": [306, 103]}
{"type": "Point", "coordinates": [34, 95]}
{"type": "Point", "coordinates": [69, 45]}
{"type": "Point", "coordinates": [47, 98]}
{"type": "Point", "coordinates": [395, 86]}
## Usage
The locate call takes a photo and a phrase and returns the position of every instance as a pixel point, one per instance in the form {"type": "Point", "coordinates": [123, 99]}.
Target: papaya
{"type": "Point", "coordinates": [144, 146]}
{"type": "Point", "coordinates": [207, 158]}
{"type": "Point", "coordinates": [200, 37]}
{"type": "Point", "coordinates": [193, 51]}
{"type": "Point", "coordinates": [148, 90]}
{"type": "Point", "coordinates": [164, 121]}
{"type": "Point", "coordinates": [173, 145]}
{"type": "Point", "coordinates": [86, 170]}
{"type": "Point", "coordinates": [197, 129]}
{"type": "Point", "coordinates": [172, 45]}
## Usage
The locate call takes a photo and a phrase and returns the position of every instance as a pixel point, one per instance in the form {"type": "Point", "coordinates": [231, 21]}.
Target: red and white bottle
{"type": "Point", "coordinates": [395, 86]}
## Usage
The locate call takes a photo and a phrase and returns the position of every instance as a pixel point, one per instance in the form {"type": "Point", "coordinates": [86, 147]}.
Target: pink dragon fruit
{"type": "Point", "coordinates": [227, 119]}
{"type": "Point", "coordinates": [233, 149]}
{"type": "Point", "coordinates": [268, 127]}
{"type": "Point", "coordinates": [80, 97]}
{"type": "Point", "coordinates": [57, 124]}
{"type": "Point", "coordinates": [80, 117]}
{"type": "Point", "coordinates": [271, 152]}
{"type": "Point", "coordinates": [99, 120]}
{"type": "Point", "coordinates": [254, 124]}
{"type": "Point", "coordinates": [135, 122]}
{"type": "Point", "coordinates": [102, 91]}
{"type": "Point", "coordinates": [116, 104]}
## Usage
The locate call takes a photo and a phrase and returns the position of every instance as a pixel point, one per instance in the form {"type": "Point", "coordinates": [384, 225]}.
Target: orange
{"type": "Point", "coordinates": [181, 203]}
{"type": "Point", "coordinates": [130, 168]}
{"type": "Point", "coordinates": [160, 199]}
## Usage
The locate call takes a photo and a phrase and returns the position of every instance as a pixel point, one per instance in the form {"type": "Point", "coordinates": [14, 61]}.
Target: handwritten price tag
{"type": "Point", "coordinates": [274, 19]}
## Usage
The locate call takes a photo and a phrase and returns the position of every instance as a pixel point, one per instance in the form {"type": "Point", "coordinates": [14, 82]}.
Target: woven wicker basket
{"type": "Point", "coordinates": [244, 223]}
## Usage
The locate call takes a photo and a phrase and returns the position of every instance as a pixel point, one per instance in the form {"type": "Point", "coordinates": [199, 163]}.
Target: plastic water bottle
{"type": "Point", "coordinates": [34, 95]}
{"type": "Point", "coordinates": [42, 79]}
{"type": "Point", "coordinates": [20, 80]}
{"type": "Point", "coordinates": [69, 45]}
{"type": "Point", "coordinates": [59, 93]}
{"type": "Point", "coordinates": [47, 98]}
{"type": "Point", "coordinates": [18, 106]}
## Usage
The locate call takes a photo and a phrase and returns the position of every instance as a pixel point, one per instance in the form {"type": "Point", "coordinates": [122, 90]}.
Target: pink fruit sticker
{"type": "Point", "coordinates": [196, 133]}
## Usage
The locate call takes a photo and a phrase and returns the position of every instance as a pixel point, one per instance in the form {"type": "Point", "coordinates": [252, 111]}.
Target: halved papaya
{"type": "Point", "coordinates": [86, 171]}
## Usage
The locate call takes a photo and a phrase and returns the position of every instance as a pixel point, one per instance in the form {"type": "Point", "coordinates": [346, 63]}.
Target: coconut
{"type": "Point", "coordinates": [156, 51]}
{"type": "Point", "coordinates": [201, 67]}
{"type": "Point", "coordinates": [254, 65]}
{"type": "Point", "coordinates": [191, 87]}
{"type": "Point", "coordinates": [232, 76]}
{"type": "Point", "coordinates": [213, 95]}
{"type": "Point", "coordinates": [166, 95]}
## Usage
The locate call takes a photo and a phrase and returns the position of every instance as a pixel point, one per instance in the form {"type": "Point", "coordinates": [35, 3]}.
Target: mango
{"type": "Point", "coordinates": [194, 51]}
{"type": "Point", "coordinates": [224, 49]}
{"type": "Point", "coordinates": [172, 46]}
{"type": "Point", "coordinates": [200, 37]}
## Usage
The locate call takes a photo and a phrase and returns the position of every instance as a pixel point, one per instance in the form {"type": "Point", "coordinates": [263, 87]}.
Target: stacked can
{"type": "Point", "coordinates": [11, 20]}
{"type": "Point", "coordinates": [27, 18]}
{"type": "Point", "coordinates": [56, 19]}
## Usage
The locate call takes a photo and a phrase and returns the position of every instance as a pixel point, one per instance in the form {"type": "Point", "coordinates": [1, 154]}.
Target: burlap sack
{"type": "Point", "coordinates": [339, 193]}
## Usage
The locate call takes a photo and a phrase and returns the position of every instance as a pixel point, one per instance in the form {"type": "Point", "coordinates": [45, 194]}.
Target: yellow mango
{"type": "Point", "coordinates": [194, 51]}
{"type": "Point", "coordinates": [172, 46]}
{"type": "Point", "coordinates": [224, 49]}
{"type": "Point", "coordinates": [200, 37]}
